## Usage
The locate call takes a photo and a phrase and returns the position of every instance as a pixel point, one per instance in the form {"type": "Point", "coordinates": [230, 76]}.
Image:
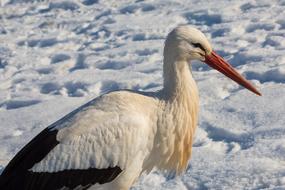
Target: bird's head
{"type": "Point", "coordinates": [187, 43]}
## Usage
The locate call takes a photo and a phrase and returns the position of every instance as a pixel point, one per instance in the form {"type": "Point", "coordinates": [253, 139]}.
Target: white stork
{"type": "Point", "coordinates": [107, 143]}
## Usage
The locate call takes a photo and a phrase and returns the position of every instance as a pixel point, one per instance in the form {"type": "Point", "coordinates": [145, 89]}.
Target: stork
{"type": "Point", "coordinates": [109, 142]}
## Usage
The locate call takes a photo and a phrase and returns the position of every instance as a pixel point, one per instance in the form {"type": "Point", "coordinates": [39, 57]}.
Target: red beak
{"type": "Point", "coordinates": [218, 63]}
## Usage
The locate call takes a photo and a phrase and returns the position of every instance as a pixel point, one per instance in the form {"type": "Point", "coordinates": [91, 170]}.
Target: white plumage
{"type": "Point", "coordinates": [136, 131]}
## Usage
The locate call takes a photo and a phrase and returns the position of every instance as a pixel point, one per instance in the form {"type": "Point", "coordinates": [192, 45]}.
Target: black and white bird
{"type": "Point", "coordinates": [109, 142]}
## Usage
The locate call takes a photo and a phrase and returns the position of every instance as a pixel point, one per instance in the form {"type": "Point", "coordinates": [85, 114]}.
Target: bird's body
{"type": "Point", "coordinates": [107, 143]}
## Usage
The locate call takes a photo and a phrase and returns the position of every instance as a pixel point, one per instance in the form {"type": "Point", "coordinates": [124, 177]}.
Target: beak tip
{"type": "Point", "coordinates": [255, 91]}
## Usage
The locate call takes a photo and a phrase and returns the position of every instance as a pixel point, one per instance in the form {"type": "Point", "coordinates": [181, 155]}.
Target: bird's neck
{"type": "Point", "coordinates": [178, 119]}
{"type": "Point", "coordinates": [178, 81]}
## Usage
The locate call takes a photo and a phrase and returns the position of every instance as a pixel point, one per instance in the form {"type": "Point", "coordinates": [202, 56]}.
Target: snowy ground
{"type": "Point", "coordinates": [56, 55]}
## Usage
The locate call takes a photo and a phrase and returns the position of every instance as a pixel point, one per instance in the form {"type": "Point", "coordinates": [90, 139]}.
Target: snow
{"type": "Point", "coordinates": [56, 55]}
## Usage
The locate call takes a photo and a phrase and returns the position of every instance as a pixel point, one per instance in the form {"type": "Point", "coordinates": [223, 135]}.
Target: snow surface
{"type": "Point", "coordinates": [56, 55]}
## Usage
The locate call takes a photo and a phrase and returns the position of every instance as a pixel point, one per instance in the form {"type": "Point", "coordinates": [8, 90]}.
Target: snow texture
{"type": "Point", "coordinates": [56, 55]}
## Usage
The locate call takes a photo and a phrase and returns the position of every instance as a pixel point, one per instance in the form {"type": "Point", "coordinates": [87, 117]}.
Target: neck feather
{"type": "Point", "coordinates": [179, 118]}
{"type": "Point", "coordinates": [177, 78]}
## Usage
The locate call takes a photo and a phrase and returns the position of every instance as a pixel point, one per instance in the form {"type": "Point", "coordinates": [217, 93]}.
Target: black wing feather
{"type": "Point", "coordinates": [17, 176]}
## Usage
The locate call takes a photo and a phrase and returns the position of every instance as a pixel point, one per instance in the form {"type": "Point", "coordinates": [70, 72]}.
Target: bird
{"type": "Point", "coordinates": [109, 142]}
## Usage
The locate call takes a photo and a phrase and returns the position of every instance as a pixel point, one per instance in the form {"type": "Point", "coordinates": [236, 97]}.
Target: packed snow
{"type": "Point", "coordinates": [56, 55]}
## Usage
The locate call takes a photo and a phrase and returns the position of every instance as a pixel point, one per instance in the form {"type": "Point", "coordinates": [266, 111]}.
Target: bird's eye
{"type": "Point", "coordinates": [198, 45]}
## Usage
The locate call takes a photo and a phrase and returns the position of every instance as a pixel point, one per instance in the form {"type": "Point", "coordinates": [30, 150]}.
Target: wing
{"type": "Point", "coordinates": [93, 144]}
{"type": "Point", "coordinates": [18, 174]}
